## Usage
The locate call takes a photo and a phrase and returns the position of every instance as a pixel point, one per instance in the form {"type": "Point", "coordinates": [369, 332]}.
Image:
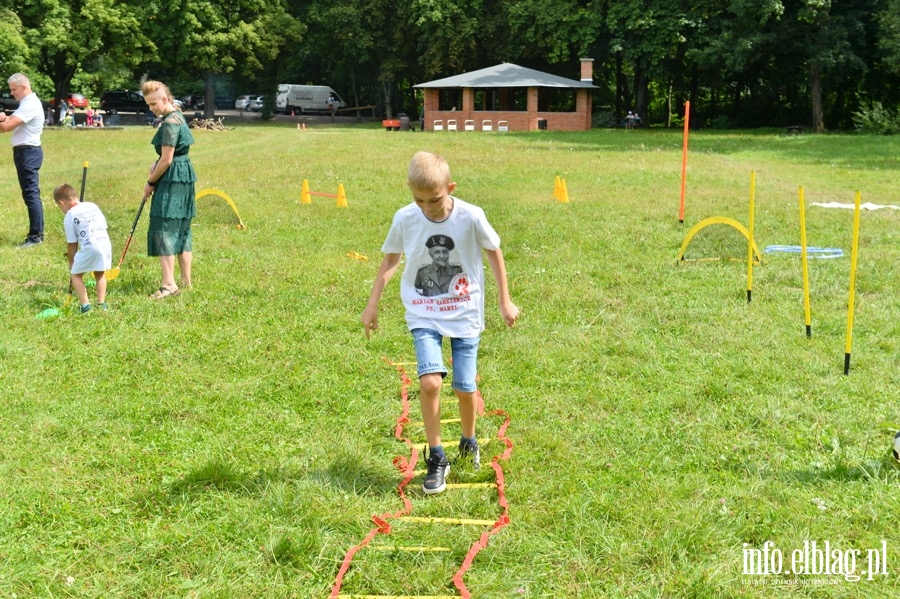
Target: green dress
{"type": "Point", "coordinates": [173, 205]}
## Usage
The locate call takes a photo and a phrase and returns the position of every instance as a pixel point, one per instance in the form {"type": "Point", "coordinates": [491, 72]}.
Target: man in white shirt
{"type": "Point", "coordinates": [27, 124]}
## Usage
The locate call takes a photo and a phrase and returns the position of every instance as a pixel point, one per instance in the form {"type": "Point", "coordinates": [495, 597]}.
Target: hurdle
{"type": "Point", "coordinates": [306, 194]}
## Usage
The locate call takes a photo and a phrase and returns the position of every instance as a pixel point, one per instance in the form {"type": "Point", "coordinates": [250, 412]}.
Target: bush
{"type": "Point", "coordinates": [877, 120]}
{"type": "Point", "coordinates": [721, 122]}
{"type": "Point", "coordinates": [603, 119]}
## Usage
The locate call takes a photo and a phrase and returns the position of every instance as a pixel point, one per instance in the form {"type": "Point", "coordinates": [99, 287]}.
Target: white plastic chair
{"type": "Point", "coordinates": [437, 126]}
{"type": "Point", "coordinates": [487, 125]}
{"type": "Point", "coordinates": [469, 125]}
{"type": "Point", "coordinates": [502, 126]}
{"type": "Point", "coordinates": [451, 125]}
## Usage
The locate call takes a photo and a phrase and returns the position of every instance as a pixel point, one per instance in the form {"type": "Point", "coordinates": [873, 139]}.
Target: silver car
{"type": "Point", "coordinates": [243, 102]}
{"type": "Point", "coordinates": [256, 104]}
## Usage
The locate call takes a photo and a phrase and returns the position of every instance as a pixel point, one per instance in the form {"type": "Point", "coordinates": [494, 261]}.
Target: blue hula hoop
{"type": "Point", "coordinates": [812, 252]}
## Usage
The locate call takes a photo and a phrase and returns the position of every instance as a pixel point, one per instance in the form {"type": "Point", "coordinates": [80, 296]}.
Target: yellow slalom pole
{"type": "Point", "coordinates": [853, 255]}
{"type": "Point", "coordinates": [684, 156]}
{"type": "Point", "coordinates": [804, 259]}
{"type": "Point", "coordinates": [750, 243]}
{"type": "Point", "coordinates": [305, 197]}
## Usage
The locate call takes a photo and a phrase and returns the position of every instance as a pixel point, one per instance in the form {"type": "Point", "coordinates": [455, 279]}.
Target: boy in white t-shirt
{"type": "Point", "coordinates": [442, 289]}
{"type": "Point", "coordinates": [89, 248]}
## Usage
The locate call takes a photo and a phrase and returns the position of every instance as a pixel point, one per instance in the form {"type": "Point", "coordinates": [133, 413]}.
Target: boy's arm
{"type": "Point", "coordinates": [71, 248]}
{"type": "Point", "coordinates": [508, 310]}
{"type": "Point", "coordinates": [369, 316]}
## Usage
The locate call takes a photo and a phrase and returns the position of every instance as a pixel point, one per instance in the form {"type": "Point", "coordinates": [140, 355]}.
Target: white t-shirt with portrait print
{"type": "Point", "coordinates": [447, 297]}
{"type": "Point", "coordinates": [85, 224]}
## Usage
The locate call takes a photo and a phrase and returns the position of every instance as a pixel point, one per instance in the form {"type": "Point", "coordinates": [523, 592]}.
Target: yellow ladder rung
{"type": "Point", "coordinates": [448, 521]}
{"type": "Point", "coordinates": [412, 549]}
{"type": "Point", "coordinates": [444, 421]}
{"type": "Point", "coordinates": [470, 485]}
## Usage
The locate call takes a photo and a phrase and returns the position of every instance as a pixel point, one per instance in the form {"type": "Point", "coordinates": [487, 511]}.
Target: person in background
{"type": "Point", "coordinates": [27, 125]}
{"type": "Point", "coordinates": [63, 111]}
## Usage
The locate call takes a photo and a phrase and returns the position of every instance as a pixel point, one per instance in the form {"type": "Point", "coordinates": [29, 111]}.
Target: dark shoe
{"type": "Point", "coordinates": [897, 446]}
{"type": "Point", "coordinates": [470, 448]}
{"type": "Point", "coordinates": [30, 241]}
{"type": "Point", "coordinates": [85, 308]}
{"type": "Point", "coordinates": [435, 479]}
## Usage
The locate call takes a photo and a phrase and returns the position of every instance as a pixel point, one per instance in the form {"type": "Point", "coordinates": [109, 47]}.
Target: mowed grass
{"type": "Point", "coordinates": [235, 441]}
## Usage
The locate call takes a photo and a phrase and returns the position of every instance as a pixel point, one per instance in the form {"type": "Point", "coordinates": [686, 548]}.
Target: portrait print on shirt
{"type": "Point", "coordinates": [441, 276]}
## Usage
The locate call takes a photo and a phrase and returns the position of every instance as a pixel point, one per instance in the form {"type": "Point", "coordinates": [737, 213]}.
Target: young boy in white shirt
{"type": "Point", "coordinates": [88, 246]}
{"type": "Point", "coordinates": [442, 289]}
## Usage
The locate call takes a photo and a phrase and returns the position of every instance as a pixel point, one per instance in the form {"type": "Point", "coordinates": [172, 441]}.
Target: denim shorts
{"type": "Point", "coordinates": [430, 358]}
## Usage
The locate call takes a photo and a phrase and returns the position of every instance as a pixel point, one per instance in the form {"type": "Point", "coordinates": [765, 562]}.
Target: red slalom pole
{"type": "Point", "coordinates": [684, 155]}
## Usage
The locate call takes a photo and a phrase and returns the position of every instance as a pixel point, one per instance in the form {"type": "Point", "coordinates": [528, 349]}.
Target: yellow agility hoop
{"type": "Point", "coordinates": [224, 196]}
{"type": "Point", "coordinates": [718, 220]}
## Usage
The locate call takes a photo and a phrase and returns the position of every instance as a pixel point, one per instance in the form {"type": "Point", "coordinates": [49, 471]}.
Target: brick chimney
{"type": "Point", "coordinates": [587, 69]}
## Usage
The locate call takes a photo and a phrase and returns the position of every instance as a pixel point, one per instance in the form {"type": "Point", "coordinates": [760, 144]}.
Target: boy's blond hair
{"type": "Point", "coordinates": [428, 171]}
{"type": "Point", "coordinates": [64, 192]}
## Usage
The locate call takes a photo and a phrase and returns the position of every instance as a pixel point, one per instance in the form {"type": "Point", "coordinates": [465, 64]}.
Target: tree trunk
{"type": "Point", "coordinates": [815, 81]}
{"type": "Point", "coordinates": [209, 87]}
{"type": "Point", "coordinates": [386, 91]}
{"type": "Point", "coordinates": [641, 93]}
{"type": "Point", "coordinates": [695, 84]}
{"type": "Point", "coordinates": [623, 97]}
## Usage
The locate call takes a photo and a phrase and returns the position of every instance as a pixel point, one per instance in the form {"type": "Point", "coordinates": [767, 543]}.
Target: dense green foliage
{"type": "Point", "coordinates": [741, 63]}
{"type": "Point", "coordinates": [234, 441]}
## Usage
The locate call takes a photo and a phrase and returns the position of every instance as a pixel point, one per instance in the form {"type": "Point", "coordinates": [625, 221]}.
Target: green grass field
{"type": "Point", "coordinates": [235, 441]}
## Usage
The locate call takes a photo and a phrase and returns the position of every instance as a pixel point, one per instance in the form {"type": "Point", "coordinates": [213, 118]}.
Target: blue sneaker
{"type": "Point", "coordinates": [85, 308]}
{"type": "Point", "coordinates": [103, 306]}
{"type": "Point", "coordinates": [436, 478]}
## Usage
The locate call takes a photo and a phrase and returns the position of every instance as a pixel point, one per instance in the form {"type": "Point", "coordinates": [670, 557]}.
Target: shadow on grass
{"type": "Point", "coordinates": [346, 473]}
{"type": "Point", "coordinates": [350, 474]}
{"type": "Point", "coordinates": [883, 470]}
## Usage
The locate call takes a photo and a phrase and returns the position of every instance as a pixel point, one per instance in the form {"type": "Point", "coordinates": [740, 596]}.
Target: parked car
{"type": "Point", "coordinates": [256, 104]}
{"type": "Point", "coordinates": [224, 101]}
{"type": "Point", "coordinates": [73, 101]}
{"type": "Point", "coordinates": [7, 102]}
{"type": "Point", "coordinates": [121, 100]}
{"type": "Point", "coordinates": [243, 102]}
{"type": "Point", "coordinates": [193, 101]}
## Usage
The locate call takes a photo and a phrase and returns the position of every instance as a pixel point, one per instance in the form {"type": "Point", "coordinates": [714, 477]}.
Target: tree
{"type": "Point", "coordinates": [206, 38]}
{"type": "Point", "coordinates": [889, 38]}
{"type": "Point", "coordinates": [62, 35]}
{"type": "Point", "coordinates": [15, 49]}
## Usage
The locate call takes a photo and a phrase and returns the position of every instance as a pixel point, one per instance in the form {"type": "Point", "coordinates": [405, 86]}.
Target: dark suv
{"type": "Point", "coordinates": [7, 102]}
{"type": "Point", "coordinates": [121, 100]}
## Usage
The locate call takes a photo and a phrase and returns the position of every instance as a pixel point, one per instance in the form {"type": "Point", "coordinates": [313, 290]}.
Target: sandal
{"type": "Point", "coordinates": [164, 292]}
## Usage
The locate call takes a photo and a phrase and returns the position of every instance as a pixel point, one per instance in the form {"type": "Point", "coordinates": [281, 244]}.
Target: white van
{"type": "Point", "coordinates": [305, 98]}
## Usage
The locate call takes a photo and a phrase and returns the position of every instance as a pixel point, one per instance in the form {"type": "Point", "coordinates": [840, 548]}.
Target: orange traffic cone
{"type": "Point", "coordinates": [341, 197]}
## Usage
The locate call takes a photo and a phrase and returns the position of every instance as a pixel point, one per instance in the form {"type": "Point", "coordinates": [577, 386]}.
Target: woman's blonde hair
{"type": "Point", "coordinates": [428, 171]}
{"type": "Point", "coordinates": [154, 86]}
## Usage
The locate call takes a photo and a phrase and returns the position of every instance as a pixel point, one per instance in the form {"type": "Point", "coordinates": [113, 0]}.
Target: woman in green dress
{"type": "Point", "coordinates": [171, 183]}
